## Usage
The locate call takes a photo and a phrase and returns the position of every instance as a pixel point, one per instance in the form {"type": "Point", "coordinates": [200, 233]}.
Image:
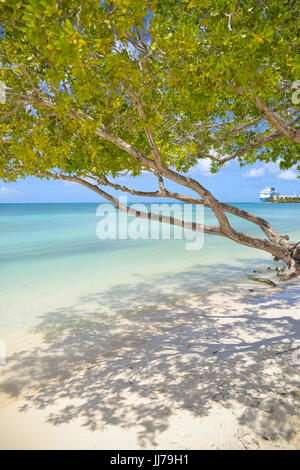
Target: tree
{"type": "Point", "coordinates": [99, 89]}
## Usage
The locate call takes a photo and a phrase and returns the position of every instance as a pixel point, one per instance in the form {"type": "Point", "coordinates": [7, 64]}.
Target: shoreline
{"type": "Point", "coordinates": [215, 372]}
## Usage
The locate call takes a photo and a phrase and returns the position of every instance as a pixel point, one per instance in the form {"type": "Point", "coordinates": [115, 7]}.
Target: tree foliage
{"type": "Point", "coordinates": [197, 67]}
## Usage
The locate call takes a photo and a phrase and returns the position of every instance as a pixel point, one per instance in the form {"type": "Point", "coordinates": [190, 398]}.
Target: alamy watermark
{"type": "Point", "coordinates": [2, 353]}
{"type": "Point", "coordinates": [296, 93]}
{"type": "Point", "coordinates": [2, 93]}
{"type": "Point", "coordinates": [152, 222]}
{"type": "Point", "coordinates": [296, 353]}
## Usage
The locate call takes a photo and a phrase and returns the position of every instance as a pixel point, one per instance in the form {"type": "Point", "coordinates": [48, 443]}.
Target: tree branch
{"type": "Point", "coordinates": [283, 128]}
{"type": "Point", "coordinates": [162, 193]}
{"type": "Point", "coordinates": [139, 106]}
{"type": "Point", "coordinates": [237, 153]}
{"type": "Point", "coordinates": [239, 237]}
{"type": "Point", "coordinates": [122, 207]}
{"type": "Point", "coordinates": [271, 233]}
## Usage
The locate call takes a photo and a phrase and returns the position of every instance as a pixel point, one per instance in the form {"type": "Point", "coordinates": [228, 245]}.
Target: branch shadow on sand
{"type": "Point", "coordinates": [136, 354]}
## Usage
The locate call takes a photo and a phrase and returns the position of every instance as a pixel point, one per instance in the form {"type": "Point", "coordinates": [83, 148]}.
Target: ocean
{"type": "Point", "coordinates": [52, 263]}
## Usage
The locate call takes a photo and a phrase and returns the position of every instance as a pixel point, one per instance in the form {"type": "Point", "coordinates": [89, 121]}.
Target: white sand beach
{"type": "Point", "coordinates": [216, 372]}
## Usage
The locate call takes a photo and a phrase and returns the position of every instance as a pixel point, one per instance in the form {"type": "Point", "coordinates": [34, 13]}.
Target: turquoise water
{"type": "Point", "coordinates": [51, 260]}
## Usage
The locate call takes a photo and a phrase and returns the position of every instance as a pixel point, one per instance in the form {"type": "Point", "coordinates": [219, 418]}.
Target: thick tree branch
{"type": "Point", "coordinates": [262, 223]}
{"type": "Point", "coordinates": [265, 245]}
{"type": "Point", "coordinates": [283, 128]}
{"type": "Point", "coordinates": [122, 207]}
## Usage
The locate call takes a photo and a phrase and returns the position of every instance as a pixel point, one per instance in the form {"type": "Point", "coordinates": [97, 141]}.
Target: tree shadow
{"type": "Point", "coordinates": [141, 352]}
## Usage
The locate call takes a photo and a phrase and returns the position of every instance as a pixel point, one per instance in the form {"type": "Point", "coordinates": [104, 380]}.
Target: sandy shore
{"type": "Point", "coordinates": [208, 372]}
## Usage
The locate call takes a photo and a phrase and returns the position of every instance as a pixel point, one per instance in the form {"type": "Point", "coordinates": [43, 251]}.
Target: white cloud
{"type": "Point", "coordinates": [289, 175]}
{"type": "Point", "coordinates": [272, 167]}
{"type": "Point", "coordinates": [4, 191]}
{"type": "Point", "coordinates": [203, 166]}
{"type": "Point", "coordinates": [254, 173]}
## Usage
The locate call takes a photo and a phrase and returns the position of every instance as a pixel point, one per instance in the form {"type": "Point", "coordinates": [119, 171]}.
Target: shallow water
{"type": "Point", "coordinates": [51, 260]}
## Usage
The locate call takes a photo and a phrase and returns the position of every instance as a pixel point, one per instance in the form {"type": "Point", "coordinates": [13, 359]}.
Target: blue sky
{"type": "Point", "coordinates": [231, 184]}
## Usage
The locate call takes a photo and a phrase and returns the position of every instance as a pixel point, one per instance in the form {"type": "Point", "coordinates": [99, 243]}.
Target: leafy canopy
{"type": "Point", "coordinates": [186, 61]}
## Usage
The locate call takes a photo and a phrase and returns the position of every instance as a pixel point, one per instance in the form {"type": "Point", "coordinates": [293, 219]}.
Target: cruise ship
{"type": "Point", "coordinates": [268, 194]}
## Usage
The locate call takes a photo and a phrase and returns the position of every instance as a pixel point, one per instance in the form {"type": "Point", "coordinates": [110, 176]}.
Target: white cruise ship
{"type": "Point", "coordinates": [268, 194]}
